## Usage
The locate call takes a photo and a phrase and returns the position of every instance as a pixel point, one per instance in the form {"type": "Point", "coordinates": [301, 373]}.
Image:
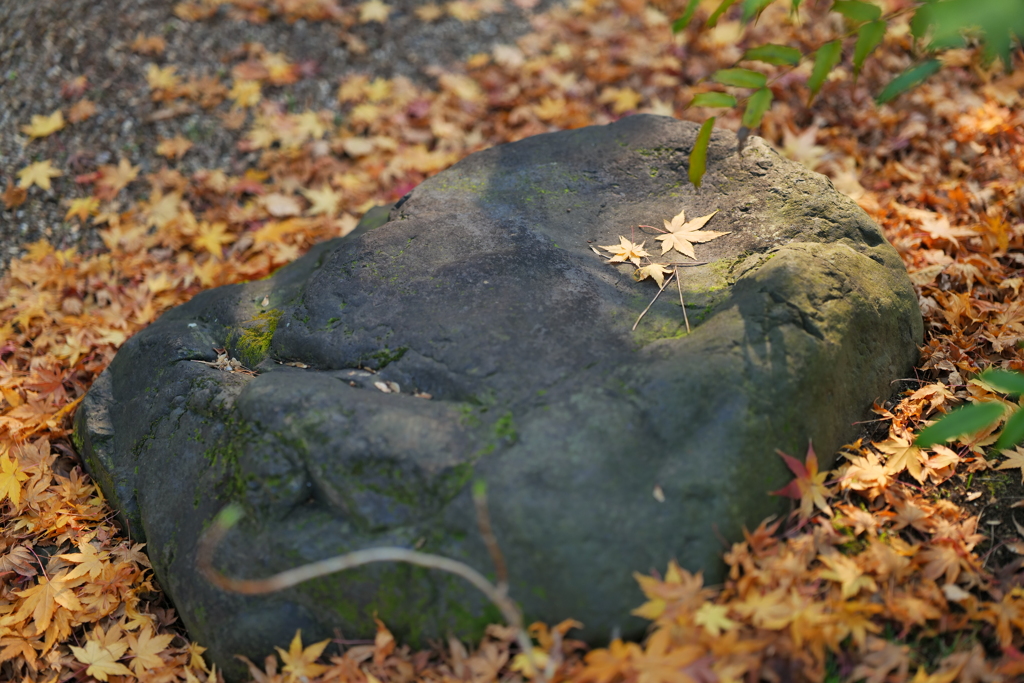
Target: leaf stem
{"type": "Point", "coordinates": [679, 285]}
{"type": "Point", "coordinates": [663, 286]}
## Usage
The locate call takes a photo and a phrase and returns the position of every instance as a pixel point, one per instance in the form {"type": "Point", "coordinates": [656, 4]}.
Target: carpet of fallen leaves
{"type": "Point", "coordinates": [897, 565]}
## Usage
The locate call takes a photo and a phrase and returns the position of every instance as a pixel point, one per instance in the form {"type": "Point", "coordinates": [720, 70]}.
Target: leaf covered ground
{"type": "Point", "coordinates": [900, 564]}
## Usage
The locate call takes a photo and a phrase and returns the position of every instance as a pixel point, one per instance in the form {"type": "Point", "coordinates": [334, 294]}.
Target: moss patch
{"type": "Point", "coordinates": [253, 343]}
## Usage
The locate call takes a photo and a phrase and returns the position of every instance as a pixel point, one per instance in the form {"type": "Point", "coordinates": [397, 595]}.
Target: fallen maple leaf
{"type": "Point", "coordinates": [39, 174]}
{"type": "Point", "coordinates": [809, 486]}
{"type": "Point", "coordinates": [14, 196]}
{"type": "Point", "coordinates": [714, 618]}
{"type": "Point", "coordinates": [322, 201]}
{"type": "Point", "coordinates": [42, 126]}
{"type": "Point", "coordinates": [903, 455]}
{"type": "Point", "coordinates": [373, 10]}
{"type": "Point", "coordinates": [83, 207]}
{"type": "Point", "coordinates": [245, 93]}
{"type": "Point", "coordinates": [656, 271]}
{"type": "Point", "coordinates": [626, 251]}
{"type": "Point", "coordinates": [162, 79]}
{"type": "Point", "coordinates": [1015, 460]}
{"type": "Point", "coordinates": [299, 663]}
{"type": "Point", "coordinates": [11, 477]}
{"type": "Point", "coordinates": [173, 148]}
{"type": "Point", "coordinates": [102, 660]}
{"type": "Point", "coordinates": [146, 649]}
{"type": "Point", "coordinates": [680, 235]}
{"type": "Point", "coordinates": [81, 110]}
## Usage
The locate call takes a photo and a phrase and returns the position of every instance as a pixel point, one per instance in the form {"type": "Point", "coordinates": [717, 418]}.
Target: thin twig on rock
{"type": "Point", "coordinates": [663, 286]}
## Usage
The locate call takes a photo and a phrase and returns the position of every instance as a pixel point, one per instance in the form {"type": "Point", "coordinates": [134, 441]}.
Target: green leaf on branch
{"type": "Point", "coordinates": [1013, 431]}
{"type": "Point", "coordinates": [908, 79]}
{"type": "Point", "coordinates": [741, 78]}
{"type": "Point", "coordinates": [857, 11]}
{"type": "Point", "coordinates": [966, 420]}
{"type": "Point", "coordinates": [779, 55]}
{"type": "Point", "coordinates": [683, 21]}
{"type": "Point", "coordinates": [1004, 381]}
{"type": "Point", "coordinates": [947, 21]}
{"type": "Point", "coordinates": [713, 99]}
{"type": "Point", "coordinates": [825, 59]}
{"type": "Point", "coordinates": [868, 38]}
{"type": "Point", "coordinates": [757, 105]}
{"type": "Point", "coordinates": [699, 155]}
{"type": "Point", "coordinates": [753, 8]}
{"type": "Point", "coordinates": [713, 19]}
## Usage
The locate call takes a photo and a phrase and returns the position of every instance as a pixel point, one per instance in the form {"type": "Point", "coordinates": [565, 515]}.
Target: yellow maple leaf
{"type": "Point", "coordinates": [903, 455]}
{"type": "Point", "coordinates": [102, 659]}
{"type": "Point", "coordinates": [322, 201]}
{"type": "Point", "coordinates": [83, 207]}
{"type": "Point", "coordinates": [212, 237]}
{"type": "Point", "coordinates": [42, 126]}
{"type": "Point", "coordinates": [39, 174]}
{"type": "Point", "coordinates": [655, 271]}
{"type": "Point", "coordinates": [621, 99]}
{"type": "Point", "coordinates": [11, 477]}
{"type": "Point", "coordinates": [90, 561]}
{"type": "Point", "coordinates": [42, 599]}
{"type": "Point", "coordinates": [847, 573]}
{"type": "Point", "coordinates": [162, 79]}
{"type": "Point", "coordinates": [146, 649]}
{"type": "Point", "coordinates": [714, 618]}
{"type": "Point", "coordinates": [626, 250]}
{"type": "Point", "coordinates": [373, 10]}
{"type": "Point", "coordinates": [245, 93]}
{"type": "Point", "coordinates": [173, 148]}
{"type": "Point", "coordinates": [680, 235]}
{"type": "Point", "coordinates": [429, 12]}
{"type": "Point", "coordinates": [463, 10]}
{"type": "Point", "coordinates": [1015, 461]}
{"type": "Point", "coordinates": [300, 663]}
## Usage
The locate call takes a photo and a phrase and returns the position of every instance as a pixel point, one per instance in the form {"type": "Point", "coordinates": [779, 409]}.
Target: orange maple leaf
{"type": "Point", "coordinates": [809, 486]}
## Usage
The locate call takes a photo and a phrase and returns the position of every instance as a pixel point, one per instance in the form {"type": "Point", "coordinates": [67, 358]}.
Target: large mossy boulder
{"type": "Point", "coordinates": [605, 450]}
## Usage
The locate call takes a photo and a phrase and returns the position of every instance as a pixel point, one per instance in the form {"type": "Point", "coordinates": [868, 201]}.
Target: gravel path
{"type": "Point", "coordinates": [44, 44]}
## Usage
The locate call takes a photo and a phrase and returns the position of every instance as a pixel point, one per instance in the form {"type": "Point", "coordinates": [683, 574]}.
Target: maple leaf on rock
{"type": "Point", "coordinates": [809, 486]}
{"type": "Point", "coordinates": [681, 236]}
{"type": "Point", "coordinates": [626, 251]}
{"type": "Point", "coordinates": [42, 126]}
{"type": "Point", "coordinates": [39, 174]}
{"type": "Point", "coordinates": [655, 271]}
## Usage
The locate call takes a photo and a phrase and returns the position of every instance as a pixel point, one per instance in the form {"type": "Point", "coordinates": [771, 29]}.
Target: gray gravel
{"type": "Point", "coordinates": [45, 43]}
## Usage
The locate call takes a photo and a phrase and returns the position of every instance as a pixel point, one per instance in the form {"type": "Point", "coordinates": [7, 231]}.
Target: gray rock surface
{"type": "Point", "coordinates": [481, 289]}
